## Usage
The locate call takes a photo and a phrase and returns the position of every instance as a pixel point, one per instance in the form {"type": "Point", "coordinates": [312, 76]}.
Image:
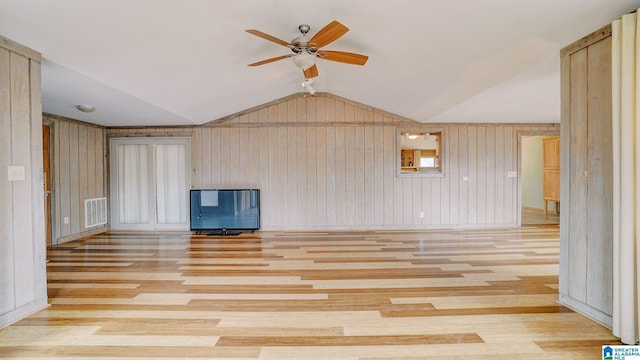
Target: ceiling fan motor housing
{"type": "Point", "coordinates": [302, 44]}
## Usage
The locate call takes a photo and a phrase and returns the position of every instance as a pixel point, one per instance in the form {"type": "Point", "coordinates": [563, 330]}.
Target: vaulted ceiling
{"type": "Point", "coordinates": [170, 62]}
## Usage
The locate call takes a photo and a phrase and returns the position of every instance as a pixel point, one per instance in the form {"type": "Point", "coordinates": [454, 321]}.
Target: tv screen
{"type": "Point", "coordinates": [222, 209]}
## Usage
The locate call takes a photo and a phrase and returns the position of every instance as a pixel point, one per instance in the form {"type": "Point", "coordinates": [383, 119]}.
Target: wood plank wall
{"type": "Point", "coordinates": [325, 162]}
{"type": "Point", "coordinates": [79, 173]}
{"type": "Point", "coordinates": [22, 242]}
{"type": "Point", "coordinates": [586, 229]}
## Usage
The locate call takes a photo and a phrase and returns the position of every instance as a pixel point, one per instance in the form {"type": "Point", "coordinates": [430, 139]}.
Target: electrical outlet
{"type": "Point", "coordinates": [66, 219]}
{"type": "Point", "coordinates": [421, 214]}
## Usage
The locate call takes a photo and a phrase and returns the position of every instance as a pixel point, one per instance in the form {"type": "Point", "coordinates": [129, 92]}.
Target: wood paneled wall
{"type": "Point", "coordinates": [79, 173]}
{"type": "Point", "coordinates": [22, 242]}
{"type": "Point", "coordinates": [330, 163]}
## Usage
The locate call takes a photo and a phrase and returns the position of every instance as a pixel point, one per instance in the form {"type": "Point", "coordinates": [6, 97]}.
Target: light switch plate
{"type": "Point", "coordinates": [512, 174]}
{"type": "Point", "coordinates": [16, 173]}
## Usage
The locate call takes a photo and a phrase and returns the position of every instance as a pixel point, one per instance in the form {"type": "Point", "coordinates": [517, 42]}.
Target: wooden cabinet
{"type": "Point", "coordinates": [586, 224]}
{"type": "Point", "coordinates": [551, 150]}
{"type": "Point", "coordinates": [408, 160]}
{"type": "Point", "coordinates": [551, 171]}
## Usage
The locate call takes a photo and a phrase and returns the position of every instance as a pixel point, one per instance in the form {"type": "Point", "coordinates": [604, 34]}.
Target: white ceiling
{"type": "Point", "coordinates": [184, 62]}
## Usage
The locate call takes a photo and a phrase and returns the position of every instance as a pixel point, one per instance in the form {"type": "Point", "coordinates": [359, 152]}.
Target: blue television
{"type": "Point", "coordinates": [225, 211]}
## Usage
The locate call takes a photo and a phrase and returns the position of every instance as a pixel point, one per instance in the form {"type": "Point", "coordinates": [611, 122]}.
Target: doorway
{"type": "Point", "coordinates": [532, 181]}
{"type": "Point", "coordinates": [46, 169]}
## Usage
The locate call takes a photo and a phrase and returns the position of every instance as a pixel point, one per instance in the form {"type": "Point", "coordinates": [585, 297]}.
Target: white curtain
{"type": "Point", "coordinates": [171, 199]}
{"type": "Point", "coordinates": [150, 182]}
{"type": "Point", "coordinates": [626, 168]}
{"type": "Point", "coordinates": [133, 192]}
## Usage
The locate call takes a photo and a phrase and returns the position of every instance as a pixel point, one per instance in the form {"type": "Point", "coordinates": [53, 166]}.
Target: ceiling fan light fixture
{"type": "Point", "coordinates": [304, 60]}
{"type": "Point", "coordinates": [306, 84]}
{"type": "Point", "coordinates": [310, 90]}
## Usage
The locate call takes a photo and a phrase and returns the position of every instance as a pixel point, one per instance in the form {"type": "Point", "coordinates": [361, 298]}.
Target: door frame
{"type": "Point", "coordinates": [47, 179]}
{"type": "Point", "coordinates": [521, 134]}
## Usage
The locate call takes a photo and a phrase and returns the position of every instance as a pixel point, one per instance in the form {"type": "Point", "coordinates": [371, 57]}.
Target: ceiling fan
{"type": "Point", "coordinates": [306, 50]}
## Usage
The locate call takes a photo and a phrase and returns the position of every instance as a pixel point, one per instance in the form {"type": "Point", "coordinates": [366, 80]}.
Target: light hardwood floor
{"type": "Point", "coordinates": [473, 294]}
{"type": "Point", "coordinates": [535, 217]}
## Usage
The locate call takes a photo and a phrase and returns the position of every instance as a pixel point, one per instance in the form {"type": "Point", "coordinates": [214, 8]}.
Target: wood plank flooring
{"type": "Point", "coordinates": [535, 217]}
{"type": "Point", "coordinates": [472, 294]}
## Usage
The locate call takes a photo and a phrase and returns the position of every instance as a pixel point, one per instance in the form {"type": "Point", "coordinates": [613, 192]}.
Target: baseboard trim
{"type": "Point", "coordinates": [596, 315]}
{"type": "Point", "coordinates": [81, 235]}
{"type": "Point", "coordinates": [22, 312]}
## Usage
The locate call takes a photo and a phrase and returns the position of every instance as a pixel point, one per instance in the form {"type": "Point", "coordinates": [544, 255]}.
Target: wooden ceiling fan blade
{"type": "Point", "coordinates": [266, 36]}
{"type": "Point", "coordinates": [328, 34]}
{"type": "Point", "coordinates": [266, 61]}
{"type": "Point", "coordinates": [343, 57]}
{"type": "Point", "coordinates": [311, 72]}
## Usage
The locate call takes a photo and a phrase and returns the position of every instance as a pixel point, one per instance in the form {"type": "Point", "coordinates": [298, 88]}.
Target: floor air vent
{"type": "Point", "coordinates": [95, 212]}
